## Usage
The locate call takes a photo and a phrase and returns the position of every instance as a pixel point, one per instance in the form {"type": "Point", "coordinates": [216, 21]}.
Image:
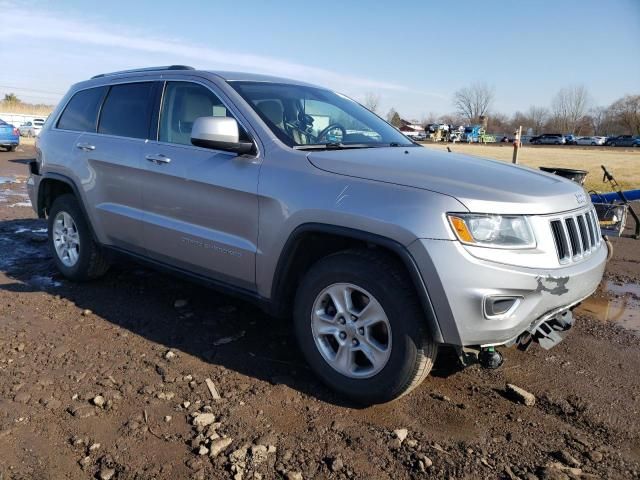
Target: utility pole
{"type": "Point", "coordinates": [516, 144]}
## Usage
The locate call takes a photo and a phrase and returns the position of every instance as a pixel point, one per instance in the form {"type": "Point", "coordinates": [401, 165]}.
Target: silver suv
{"type": "Point", "coordinates": [303, 201]}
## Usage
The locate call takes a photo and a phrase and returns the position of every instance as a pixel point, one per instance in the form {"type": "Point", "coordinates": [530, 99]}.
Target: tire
{"type": "Point", "coordinates": [12, 148]}
{"type": "Point", "coordinates": [612, 144]}
{"type": "Point", "coordinates": [84, 259]}
{"type": "Point", "coordinates": [593, 144]}
{"type": "Point", "coordinates": [410, 351]}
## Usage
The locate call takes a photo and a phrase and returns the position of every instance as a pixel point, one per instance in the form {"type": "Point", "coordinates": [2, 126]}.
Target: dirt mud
{"type": "Point", "coordinates": [141, 375]}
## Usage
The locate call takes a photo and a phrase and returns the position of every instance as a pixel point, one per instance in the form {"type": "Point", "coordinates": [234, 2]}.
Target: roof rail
{"type": "Point", "coordinates": [148, 69]}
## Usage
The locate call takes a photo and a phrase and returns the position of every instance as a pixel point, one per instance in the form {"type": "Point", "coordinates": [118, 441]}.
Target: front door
{"type": "Point", "coordinates": [201, 206]}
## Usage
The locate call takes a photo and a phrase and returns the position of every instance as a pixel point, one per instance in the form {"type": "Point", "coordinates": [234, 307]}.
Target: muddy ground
{"type": "Point", "coordinates": [102, 380]}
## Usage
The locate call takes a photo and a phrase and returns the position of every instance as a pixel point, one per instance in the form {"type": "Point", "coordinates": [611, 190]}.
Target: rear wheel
{"type": "Point", "coordinates": [12, 148]}
{"type": "Point", "coordinates": [361, 327]}
{"type": "Point", "coordinates": [75, 252]}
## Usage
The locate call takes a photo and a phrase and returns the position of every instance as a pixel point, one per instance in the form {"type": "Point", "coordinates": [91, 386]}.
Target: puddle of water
{"type": "Point", "coordinates": [7, 180]}
{"type": "Point", "coordinates": [622, 308]}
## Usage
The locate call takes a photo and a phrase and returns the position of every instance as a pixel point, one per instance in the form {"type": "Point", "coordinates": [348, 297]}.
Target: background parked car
{"type": "Point", "coordinates": [38, 123]}
{"type": "Point", "coordinates": [621, 141]}
{"type": "Point", "coordinates": [570, 139]}
{"type": "Point", "coordinates": [27, 129]}
{"type": "Point", "coordinates": [549, 139]}
{"type": "Point", "coordinates": [590, 140]}
{"type": "Point", "coordinates": [9, 136]}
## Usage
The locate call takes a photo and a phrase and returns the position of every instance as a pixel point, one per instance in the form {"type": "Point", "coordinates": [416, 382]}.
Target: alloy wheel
{"type": "Point", "coordinates": [66, 239]}
{"type": "Point", "coordinates": [351, 330]}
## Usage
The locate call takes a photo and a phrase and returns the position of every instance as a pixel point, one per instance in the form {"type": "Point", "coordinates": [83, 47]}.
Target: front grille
{"type": "Point", "coordinates": [576, 236]}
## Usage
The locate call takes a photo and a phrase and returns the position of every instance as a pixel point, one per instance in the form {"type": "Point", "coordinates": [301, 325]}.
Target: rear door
{"type": "Point", "coordinates": [201, 205]}
{"type": "Point", "coordinates": [113, 156]}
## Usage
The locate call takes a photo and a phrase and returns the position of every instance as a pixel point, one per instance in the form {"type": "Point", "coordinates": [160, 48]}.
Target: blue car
{"type": "Point", "coordinates": [9, 136]}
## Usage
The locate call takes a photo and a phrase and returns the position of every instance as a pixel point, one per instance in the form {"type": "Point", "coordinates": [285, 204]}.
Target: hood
{"type": "Point", "coordinates": [482, 185]}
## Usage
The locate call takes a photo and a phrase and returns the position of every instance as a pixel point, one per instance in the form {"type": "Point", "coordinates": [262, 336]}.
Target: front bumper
{"type": "Point", "coordinates": [459, 285]}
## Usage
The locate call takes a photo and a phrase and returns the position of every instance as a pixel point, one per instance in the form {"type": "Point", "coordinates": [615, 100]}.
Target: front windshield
{"type": "Point", "coordinates": [309, 117]}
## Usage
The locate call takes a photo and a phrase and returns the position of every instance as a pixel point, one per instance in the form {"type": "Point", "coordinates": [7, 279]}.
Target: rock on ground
{"type": "Point", "coordinates": [521, 395]}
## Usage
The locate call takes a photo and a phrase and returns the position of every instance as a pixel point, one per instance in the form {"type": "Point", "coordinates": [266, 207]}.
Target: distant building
{"type": "Point", "coordinates": [411, 129]}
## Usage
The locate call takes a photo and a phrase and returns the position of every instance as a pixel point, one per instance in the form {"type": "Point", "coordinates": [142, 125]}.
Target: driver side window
{"type": "Point", "coordinates": [182, 103]}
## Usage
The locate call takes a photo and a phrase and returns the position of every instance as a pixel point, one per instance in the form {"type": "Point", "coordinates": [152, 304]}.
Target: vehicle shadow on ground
{"type": "Point", "coordinates": [24, 161]}
{"type": "Point", "coordinates": [214, 327]}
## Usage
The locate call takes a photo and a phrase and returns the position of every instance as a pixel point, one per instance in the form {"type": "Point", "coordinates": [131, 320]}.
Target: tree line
{"type": "Point", "coordinates": [11, 103]}
{"type": "Point", "coordinates": [571, 110]}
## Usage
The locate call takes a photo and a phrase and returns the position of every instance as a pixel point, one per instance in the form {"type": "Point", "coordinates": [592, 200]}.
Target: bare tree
{"type": "Point", "coordinates": [499, 122]}
{"type": "Point", "coordinates": [393, 118]}
{"type": "Point", "coordinates": [11, 98]}
{"type": "Point", "coordinates": [451, 119]}
{"type": "Point", "coordinates": [372, 101]}
{"type": "Point", "coordinates": [431, 117]}
{"type": "Point", "coordinates": [537, 117]}
{"type": "Point", "coordinates": [473, 101]}
{"type": "Point", "coordinates": [599, 120]}
{"type": "Point", "coordinates": [569, 105]}
{"type": "Point", "coordinates": [626, 111]}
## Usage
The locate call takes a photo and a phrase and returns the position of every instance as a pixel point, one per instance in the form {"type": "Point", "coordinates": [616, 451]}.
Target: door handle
{"type": "Point", "coordinates": [158, 158]}
{"type": "Point", "coordinates": [85, 146]}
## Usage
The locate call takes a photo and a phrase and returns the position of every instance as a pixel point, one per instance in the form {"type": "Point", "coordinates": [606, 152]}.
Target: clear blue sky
{"type": "Point", "coordinates": [413, 54]}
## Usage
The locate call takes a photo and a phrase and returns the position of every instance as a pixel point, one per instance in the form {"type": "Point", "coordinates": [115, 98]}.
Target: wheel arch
{"type": "Point", "coordinates": [53, 185]}
{"type": "Point", "coordinates": [312, 241]}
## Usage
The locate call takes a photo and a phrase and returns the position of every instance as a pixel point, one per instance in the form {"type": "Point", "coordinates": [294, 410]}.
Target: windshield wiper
{"type": "Point", "coordinates": [347, 146]}
{"type": "Point", "coordinates": [332, 146]}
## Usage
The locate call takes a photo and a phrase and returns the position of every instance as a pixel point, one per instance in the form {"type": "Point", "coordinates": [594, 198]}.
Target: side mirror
{"type": "Point", "coordinates": [219, 133]}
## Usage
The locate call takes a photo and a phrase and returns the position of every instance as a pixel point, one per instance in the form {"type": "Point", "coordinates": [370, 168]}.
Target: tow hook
{"type": "Point", "coordinates": [490, 358]}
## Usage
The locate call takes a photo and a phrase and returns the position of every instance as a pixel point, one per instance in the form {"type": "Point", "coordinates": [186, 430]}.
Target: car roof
{"type": "Point", "coordinates": [254, 77]}
{"type": "Point", "coordinates": [227, 76]}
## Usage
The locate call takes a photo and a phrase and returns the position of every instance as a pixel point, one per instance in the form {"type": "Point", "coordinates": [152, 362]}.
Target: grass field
{"type": "Point", "coordinates": [623, 163]}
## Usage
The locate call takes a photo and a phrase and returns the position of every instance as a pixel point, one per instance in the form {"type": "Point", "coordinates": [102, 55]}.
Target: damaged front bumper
{"type": "Point", "coordinates": [488, 304]}
{"type": "Point", "coordinates": [548, 333]}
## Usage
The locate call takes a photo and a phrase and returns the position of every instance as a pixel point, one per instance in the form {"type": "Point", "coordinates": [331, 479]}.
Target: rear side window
{"type": "Point", "coordinates": [81, 113]}
{"type": "Point", "coordinates": [127, 110]}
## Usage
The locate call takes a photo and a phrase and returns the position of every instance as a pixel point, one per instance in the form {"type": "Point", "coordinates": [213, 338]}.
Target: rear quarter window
{"type": "Point", "coordinates": [81, 113]}
{"type": "Point", "coordinates": [127, 110]}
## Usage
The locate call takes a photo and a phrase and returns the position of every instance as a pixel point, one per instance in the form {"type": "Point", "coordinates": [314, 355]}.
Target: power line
{"type": "Point", "coordinates": [31, 90]}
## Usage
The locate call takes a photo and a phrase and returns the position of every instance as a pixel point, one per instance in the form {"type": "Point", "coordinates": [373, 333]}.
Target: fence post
{"type": "Point", "coordinates": [516, 144]}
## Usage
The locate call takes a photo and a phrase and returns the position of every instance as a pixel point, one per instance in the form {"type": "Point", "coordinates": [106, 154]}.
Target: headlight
{"type": "Point", "coordinates": [497, 231]}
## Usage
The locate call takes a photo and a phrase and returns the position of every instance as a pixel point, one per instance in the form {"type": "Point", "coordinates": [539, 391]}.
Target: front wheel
{"type": "Point", "coordinates": [75, 252]}
{"type": "Point", "coordinates": [361, 328]}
